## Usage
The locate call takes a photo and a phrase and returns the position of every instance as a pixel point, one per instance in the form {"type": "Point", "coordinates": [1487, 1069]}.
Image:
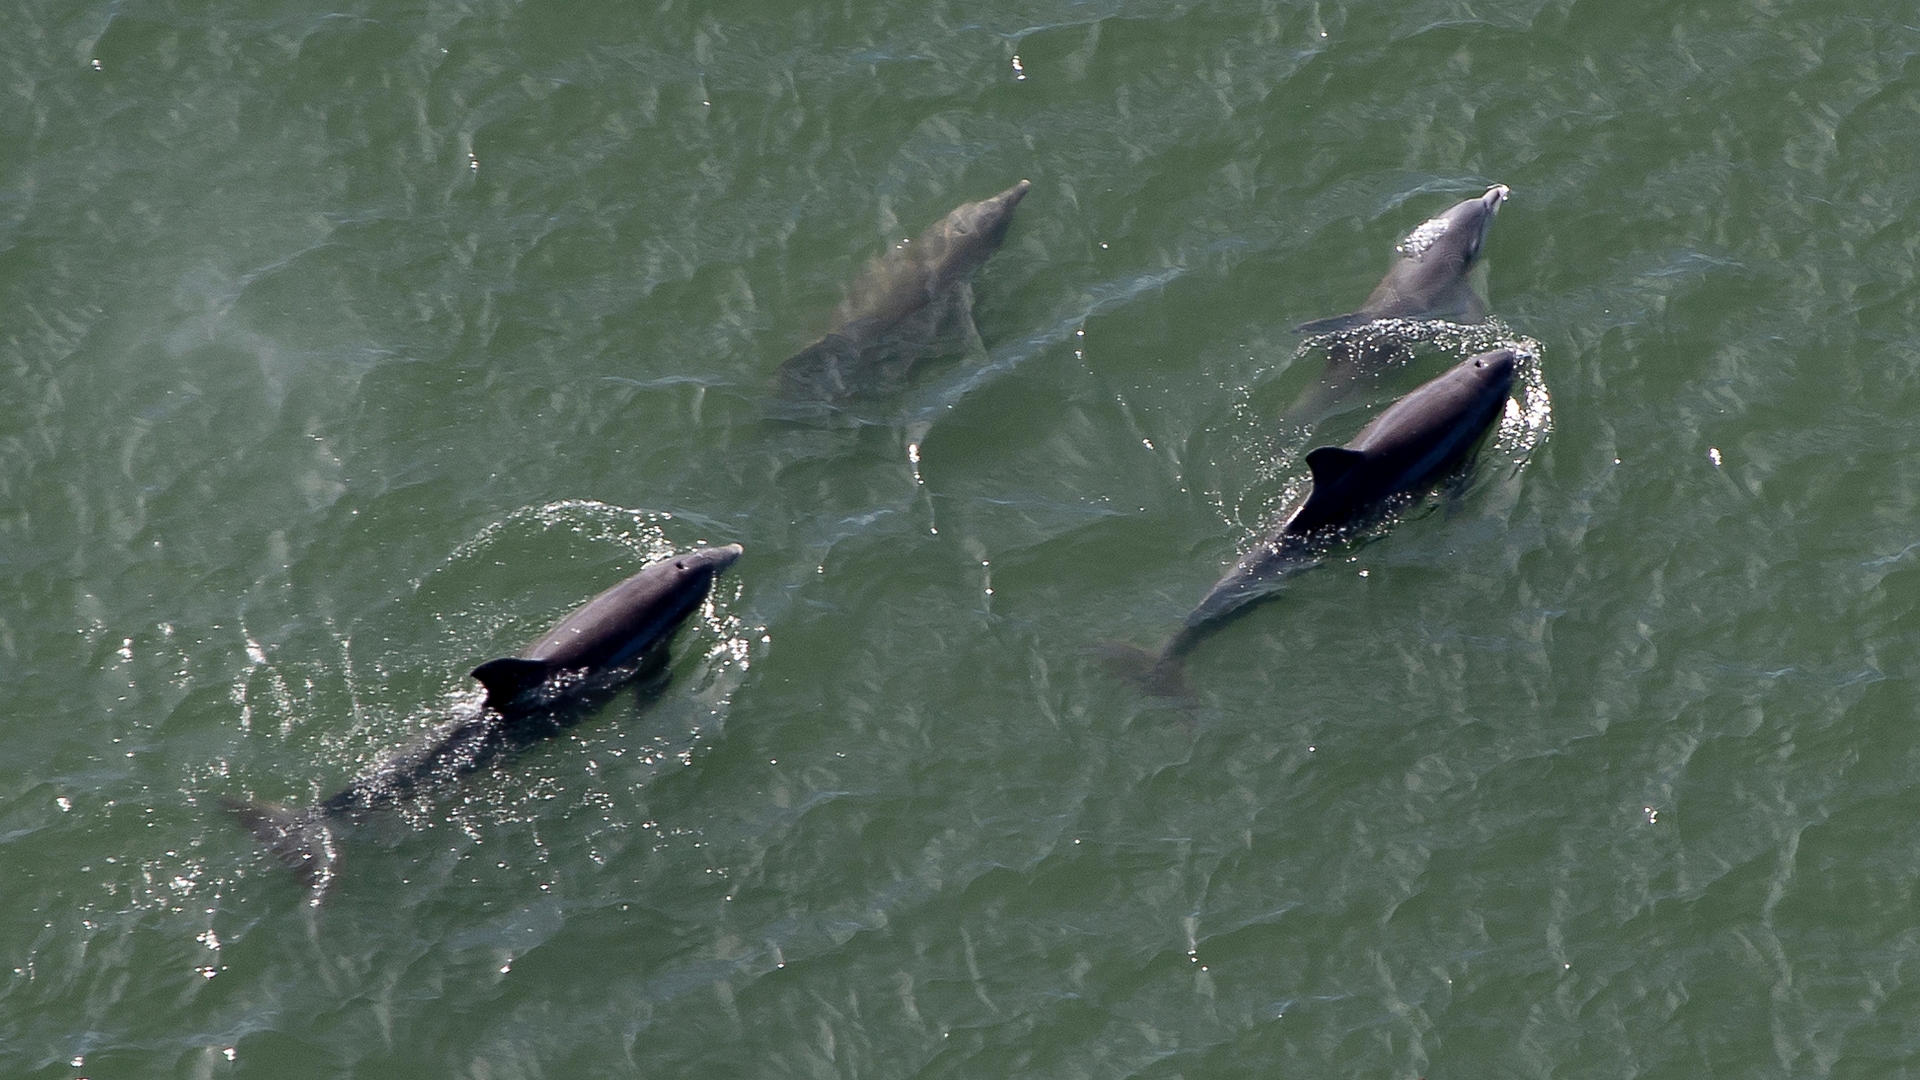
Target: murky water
{"type": "Point", "coordinates": [349, 348]}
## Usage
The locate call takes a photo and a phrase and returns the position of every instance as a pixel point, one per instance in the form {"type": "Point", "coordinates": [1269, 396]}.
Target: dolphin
{"type": "Point", "coordinates": [1417, 441]}
{"type": "Point", "coordinates": [899, 312]}
{"type": "Point", "coordinates": [1429, 274]}
{"type": "Point", "coordinates": [607, 642]}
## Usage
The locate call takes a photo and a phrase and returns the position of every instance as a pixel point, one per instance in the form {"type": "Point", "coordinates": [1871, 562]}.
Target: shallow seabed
{"type": "Point", "coordinates": [348, 347]}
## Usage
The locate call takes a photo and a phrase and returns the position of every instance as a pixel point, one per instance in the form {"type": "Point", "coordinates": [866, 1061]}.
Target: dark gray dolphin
{"type": "Point", "coordinates": [607, 642]}
{"type": "Point", "coordinates": [1429, 278]}
{"type": "Point", "coordinates": [909, 303]}
{"type": "Point", "coordinates": [1402, 452]}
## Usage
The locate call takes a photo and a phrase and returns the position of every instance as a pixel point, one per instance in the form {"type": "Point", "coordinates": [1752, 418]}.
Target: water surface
{"type": "Point", "coordinates": [347, 348]}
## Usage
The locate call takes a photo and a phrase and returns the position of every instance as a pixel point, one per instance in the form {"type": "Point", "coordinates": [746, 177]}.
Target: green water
{"type": "Point", "coordinates": [346, 348]}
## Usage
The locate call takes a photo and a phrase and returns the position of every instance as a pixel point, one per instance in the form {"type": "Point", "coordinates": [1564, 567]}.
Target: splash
{"type": "Point", "coordinates": [1529, 416]}
{"type": "Point", "coordinates": [639, 531]}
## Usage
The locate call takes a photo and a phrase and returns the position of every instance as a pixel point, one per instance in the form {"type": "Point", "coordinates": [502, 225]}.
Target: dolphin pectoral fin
{"type": "Point", "coordinates": [509, 677]}
{"type": "Point", "coordinates": [1472, 308]}
{"type": "Point", "coordinates": [1337, 323]}
{"type": "Point", "coordinates": [1453, 493]}
{"type": "Point", "coordinates": [942, 326]}
{"type": "Point", "coordinates": [1330, 463]}
{"type": "Point", "coordinates": [966, 332]}
{"type": "Point", "coordinates": [651, 674]}
{"type": "Point", "coordinates": [1460, 303]}
{"type": "Point", "coordinates": [302, 841]}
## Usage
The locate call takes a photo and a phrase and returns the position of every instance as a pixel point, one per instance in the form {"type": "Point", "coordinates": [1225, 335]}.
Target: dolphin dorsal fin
{"type": "Point", "coordinates": [1330, 463]}
{"type": "Point", "coordinates": [509, 677]}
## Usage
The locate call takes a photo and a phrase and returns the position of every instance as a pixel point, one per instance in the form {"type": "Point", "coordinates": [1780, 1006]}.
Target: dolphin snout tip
{"type": "Point", "coordinates": [719, 558]}
{"type": "Point", "coordinates": [1496, 195]}
{"type": "Point", "coordinates": [1014, 194]}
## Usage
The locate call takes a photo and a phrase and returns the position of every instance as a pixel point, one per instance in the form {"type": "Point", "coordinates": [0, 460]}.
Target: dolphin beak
{"type": "Point", "coordinates": [1495, 195]}
{"type": "Point", "coordinates": [714, 559]}
{"type": "Point", "coordinates": [1012, 196]}
{"type": "Point", "coordinates": [721, 557]}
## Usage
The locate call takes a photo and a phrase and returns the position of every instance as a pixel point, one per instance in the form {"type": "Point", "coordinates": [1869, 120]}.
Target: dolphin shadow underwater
{"type": "Point", "coordinates": [912, 304]}
{"type": "Point", "coordinates": [618, 637]}
{"type": "Point", "coordinates": [1418, 441]}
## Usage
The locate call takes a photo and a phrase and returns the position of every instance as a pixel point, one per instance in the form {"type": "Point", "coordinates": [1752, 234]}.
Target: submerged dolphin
{"type": "Point", "coordinates": [1430, 268]}
{"type": "Point", "coordinates": [1403, 451]}
{"type": "Point", "coordinates": [903, 308]}
{"type": "Point", "coordinates": [610, 640]}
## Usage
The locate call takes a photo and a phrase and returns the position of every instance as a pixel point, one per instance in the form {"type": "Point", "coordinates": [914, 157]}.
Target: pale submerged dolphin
{"type": "Point", "coordinates": [1405, 450]}
{"type": "Point", "coordinates": [1429, 277]}
{"type": "Point", "coordinates": [612, 639]}
{"type": "Point", "coordinates": [911, 304]}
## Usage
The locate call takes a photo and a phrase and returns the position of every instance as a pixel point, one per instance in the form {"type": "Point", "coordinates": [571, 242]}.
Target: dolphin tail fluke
{"type": "Point", "coordinates": [1337, 323]}
{"type": "Point", "coordinates": [1159, 674]}
{"type": "Point", "coordinates": [300, 840]}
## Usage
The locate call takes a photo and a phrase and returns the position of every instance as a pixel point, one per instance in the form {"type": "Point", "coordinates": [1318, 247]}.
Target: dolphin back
{"type": "Point", "coordinates": [1428, 278]}
{"type": "Point", "coordinates": [608, 632]}
{"type": "Point", "coordinates": [1419, 438]}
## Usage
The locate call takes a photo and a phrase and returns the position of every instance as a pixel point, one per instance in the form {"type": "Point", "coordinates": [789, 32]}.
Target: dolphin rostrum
{"type": "Point", "coordinates": [1429, 278]}
{"type": "Point", "coordinates": [909, 302]}
{"type": "Point", "coordinates": [612, 639]}
{"type": "Point", "coordinates": [1413, 444]}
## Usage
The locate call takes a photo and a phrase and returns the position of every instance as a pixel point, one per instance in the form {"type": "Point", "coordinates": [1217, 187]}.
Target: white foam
{"type": "Point", "coordinates": [1423, 237]}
